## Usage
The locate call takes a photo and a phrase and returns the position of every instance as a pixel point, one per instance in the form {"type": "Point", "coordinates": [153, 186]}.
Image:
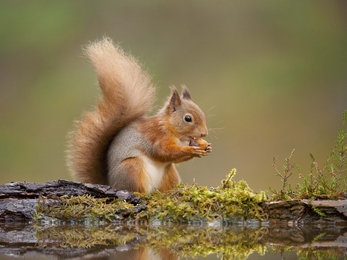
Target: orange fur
{"type": "Point", "coordinates": [131, 176]}
{"type": "Point", "coordinates": [170, 179]}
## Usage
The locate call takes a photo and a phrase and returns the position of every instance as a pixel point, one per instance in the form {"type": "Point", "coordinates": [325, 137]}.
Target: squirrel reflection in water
{"type": "Point", "coordinates": [143, 254]}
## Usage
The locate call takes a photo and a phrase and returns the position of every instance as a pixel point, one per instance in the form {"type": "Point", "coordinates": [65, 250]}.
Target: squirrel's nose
{"type": "Point", "coordinates": [203, 134]}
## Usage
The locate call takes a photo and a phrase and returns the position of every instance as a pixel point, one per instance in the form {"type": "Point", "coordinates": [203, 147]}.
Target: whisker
{"type": "Point", "coordinates": [214, 131]}
{"type": "Point", "coordinates": [214, 136]}
{"type": "Point", "coordinates": [211, 108]}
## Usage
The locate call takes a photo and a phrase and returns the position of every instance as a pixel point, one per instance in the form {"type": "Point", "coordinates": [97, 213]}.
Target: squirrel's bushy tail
{"type": "Point", "coordinates": [127, 94]}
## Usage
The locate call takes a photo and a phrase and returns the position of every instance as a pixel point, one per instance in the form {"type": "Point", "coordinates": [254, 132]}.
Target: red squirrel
{"type": "Point", "coordinates": [117, 144]}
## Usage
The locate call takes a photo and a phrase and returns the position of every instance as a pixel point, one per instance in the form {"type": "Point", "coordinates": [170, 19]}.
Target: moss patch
{"type": "Point", "coordinates": [190, 203]}
{"type": "Point", "coordinates": [186, 203]}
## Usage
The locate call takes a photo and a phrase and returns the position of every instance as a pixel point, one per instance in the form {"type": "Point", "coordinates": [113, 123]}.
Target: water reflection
{"type": "Point", "coordinates": [111, 241]}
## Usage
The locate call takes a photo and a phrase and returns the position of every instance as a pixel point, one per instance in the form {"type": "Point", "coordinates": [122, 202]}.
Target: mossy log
{"type": "Point", "coordinates": [19, 200]}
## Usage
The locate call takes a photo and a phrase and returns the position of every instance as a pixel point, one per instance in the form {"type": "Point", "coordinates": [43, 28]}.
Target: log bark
{"type": "Point", "coordinates": [30, 190]}
{"type": "Point", "coordinates": [306, 212]}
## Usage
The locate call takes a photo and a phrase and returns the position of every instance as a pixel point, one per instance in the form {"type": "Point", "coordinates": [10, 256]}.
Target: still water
{"type": "Point", "coordinates": [167, 241]}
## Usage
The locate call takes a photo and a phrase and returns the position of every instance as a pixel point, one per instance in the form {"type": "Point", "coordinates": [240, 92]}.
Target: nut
{"type": "Point", "coordinates": [198, 142]}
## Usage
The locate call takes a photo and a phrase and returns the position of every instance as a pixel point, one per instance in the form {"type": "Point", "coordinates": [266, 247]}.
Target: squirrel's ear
{"type": "Point", "coordinates": [185, 93]}
{"type": "Point", "coordinates": [175, 100]}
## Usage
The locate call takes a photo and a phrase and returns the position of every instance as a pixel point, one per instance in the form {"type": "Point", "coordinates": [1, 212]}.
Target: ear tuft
{"type": "Point", "coordinates": [175, 100]}
{"type": "Point", "coordinates": [185, 93]}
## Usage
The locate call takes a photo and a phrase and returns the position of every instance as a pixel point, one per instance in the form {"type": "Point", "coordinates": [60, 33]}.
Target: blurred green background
{"type": "Point", "coordinates": [270, 75]}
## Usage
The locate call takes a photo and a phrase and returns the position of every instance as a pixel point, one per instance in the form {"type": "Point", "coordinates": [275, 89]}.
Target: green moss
{"type": "Point", "coordinates": [85, 208]}
{"type": "Point", "coordinates": [186, 203]}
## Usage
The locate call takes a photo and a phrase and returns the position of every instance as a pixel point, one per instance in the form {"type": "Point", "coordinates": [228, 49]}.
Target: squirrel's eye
{"type": "Point", "coordinates": [188, 118]}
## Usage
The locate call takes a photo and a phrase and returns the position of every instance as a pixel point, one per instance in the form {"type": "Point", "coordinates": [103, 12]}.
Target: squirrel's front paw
{"type": "Point", "coordinates": [198, 151]}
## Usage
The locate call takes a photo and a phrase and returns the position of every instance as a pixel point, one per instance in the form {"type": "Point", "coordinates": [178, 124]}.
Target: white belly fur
{"type": "Point", "coordinates": [155, 171]}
